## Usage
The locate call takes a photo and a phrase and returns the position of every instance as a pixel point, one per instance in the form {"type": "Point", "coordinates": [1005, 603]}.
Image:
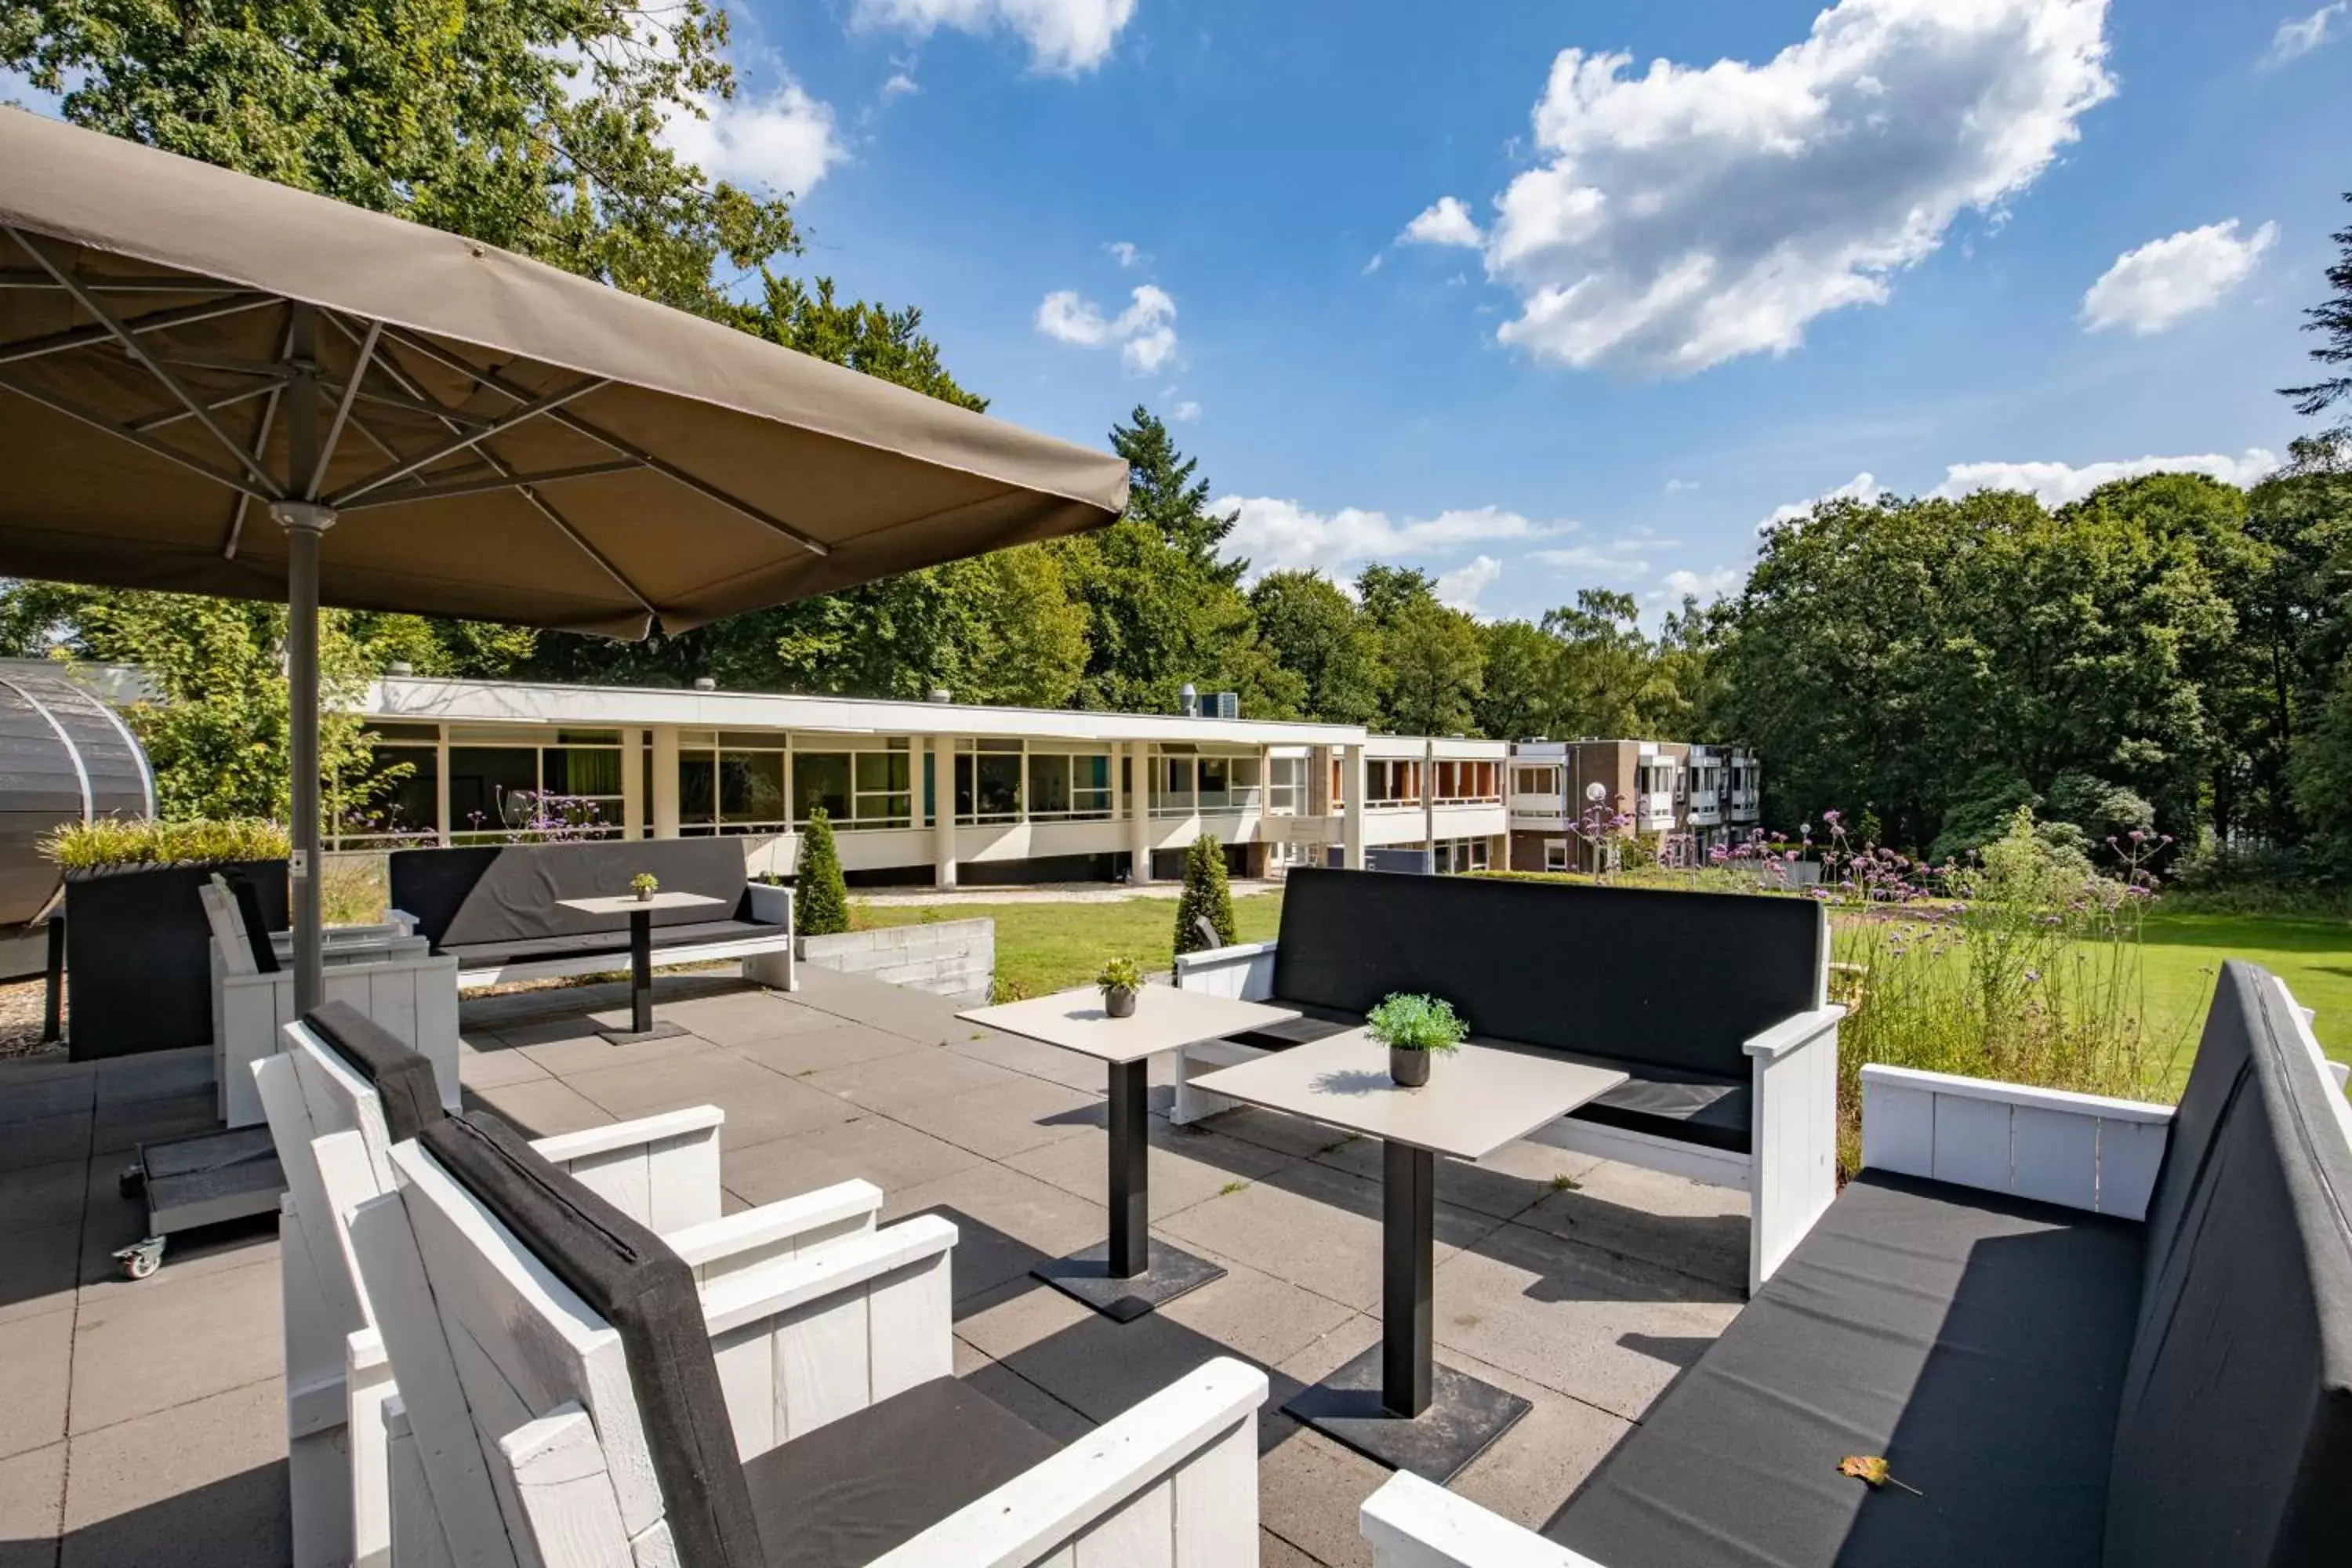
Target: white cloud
{"type": "Point", "coordinates": [900, 85]}
{"type": "Point", "coordinates": [1144, 332]}
{"type": "Point", "coordinates": [1862, 487]}
{"type": "Point", "coordinates": [1064, 36]}
{"type": "Point", "coordinates": [1618, 557]}
{"type": "Point", "coordinates": [1123, 251]}
{"type": "Point", "coordinates": [1690, 214]}
{"type": "Point", "coordinates": [1186, 412]}
{"type": "Point", "coordinates": [1704, 586]}
{"type": "Point", "coordinates": [1677, 487]}
{"type": "Point", "coordinates": [1460, 588]}
{"type": "Point", "coordinates": [2295, 38]}
{"type": "Point", "coordinates": [2057, 483]}
{"type": "Point", "coordinates": [1281, 535]}
{"type": "Point", "coordinates": [2150, 288]}
{"type": "Point", "coordinates": [1446, 223]}
{"type": "Point", "coordinates": [783, 139]}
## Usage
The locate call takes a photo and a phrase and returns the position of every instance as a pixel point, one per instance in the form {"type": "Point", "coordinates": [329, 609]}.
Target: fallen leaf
{"type": "Point", "coordinates": [1870, 1467]}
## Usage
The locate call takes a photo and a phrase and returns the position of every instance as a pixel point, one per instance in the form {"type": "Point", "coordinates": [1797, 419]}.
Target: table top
{"type": "Point", "coordinates": [625, 903]}
{"type": "Point", "coordinates": [1476, 1100]}
{"type": "Point", "coordinates": [1164, 1019]}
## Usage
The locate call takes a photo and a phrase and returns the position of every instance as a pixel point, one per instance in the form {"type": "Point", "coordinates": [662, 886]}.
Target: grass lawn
{"type": "Point", "coordinates": [1053, 947]}
{"type": "Point", "coordinates": [2312, 955]}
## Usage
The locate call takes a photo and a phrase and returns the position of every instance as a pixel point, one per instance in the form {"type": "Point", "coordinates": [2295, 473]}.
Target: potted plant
{"type": "Point", "coordinates": [1118, 981]}
{"type": "Point", "coordinates": [1414, 1028]}
{"type": "Point", "coordinates": [644, 884]}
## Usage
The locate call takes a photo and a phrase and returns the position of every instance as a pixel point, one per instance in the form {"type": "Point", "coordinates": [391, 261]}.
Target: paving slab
{"type": "Point", "coordinates": [45, 1140]}
{"type": "Point", "coordinates": [1506, 1184]}
{"type": "Point", "coordinates": [590, 1051]}
{"type": "Point", "coordinates": [38, 1270]}
{"type": "Point", "coordinates": [35, 1196]}
{"type": "Point", "coordinates": [36, 1367]}
{"type": "Point", "coordinates": [1186, 1167]}
{"type": "Point", "coordinates": [542, 1108]}
{"type": "Point", "coordinates": [1309, 1492]}
{"type": "Point", "coordinates": [153, 1075]}
{"type": "Point", "coordinates": [871, 1148]}
{"type": "Point", "coordinates": [135, 1351]}
{"type": "Point", "coordinates": [759, 1105]}
{"type": "Point", "coordinates": [892, 1084]}
{"type": "Point", "coordinates": [1654, 1216]}
{"type": "Point", "coordinates": [1032, 1057]}
{"type": "Point", "coordinates": [742, 1016]}
{"type": "Point", "coordinates": [1606, 1329]}
{"type": "Point", "coordinates": [122, 1127]}
{"type": "Point", "coordinates": [1021, 1397]}
{"type": "Point", "coordinates": [489, 1062]}
{"type": "Point", "coordinates": [32, 1507]}
{"type": "Point", "coordinates": [1257, 1316]}
{"type": "Point", "coordinates": [1010, 1222]}
{"type": "Point", "coordinates": [61, 1094]}
{"type": "Point", "coordinates": [831, 1042]}
{"type": "Point", "coordinates": [1549, 1452]}
{"type": "Point", "coordinates": [199, 1486]}
{"type": "Point", "coordinates": [1007, 1118]}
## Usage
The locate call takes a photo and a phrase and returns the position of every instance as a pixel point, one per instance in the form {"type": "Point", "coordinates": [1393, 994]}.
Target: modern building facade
{"type": "Point", "coordinates": [939, 793]}
{"type": "Point", "coordinates": [1570, 800]}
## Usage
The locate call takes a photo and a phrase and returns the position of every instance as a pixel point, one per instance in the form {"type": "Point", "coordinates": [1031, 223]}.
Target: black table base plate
{"type": "Point", "coordinates": [1173, 1273]}
{"type": "Point", "coordinates": [660, 1031]}
{"type": "Point", "coordinates": [1463, 1416]}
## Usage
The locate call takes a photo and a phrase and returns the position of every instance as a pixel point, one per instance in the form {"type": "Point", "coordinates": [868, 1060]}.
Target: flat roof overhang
{"type": "Point", "coordinates": [415, 699]}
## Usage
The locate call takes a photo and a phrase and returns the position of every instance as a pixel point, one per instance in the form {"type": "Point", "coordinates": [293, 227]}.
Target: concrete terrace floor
{"type": "Point", "coordinates": [143, 1424]}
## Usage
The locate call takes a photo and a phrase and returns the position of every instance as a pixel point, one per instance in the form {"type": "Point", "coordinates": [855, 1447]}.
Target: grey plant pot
{"type": "Point", "coordinates": [646, 896]}
{"type": "Point", "coordinates": [1408, 1069]}
{"type": "Point", "coordinates": [1119, 1000]}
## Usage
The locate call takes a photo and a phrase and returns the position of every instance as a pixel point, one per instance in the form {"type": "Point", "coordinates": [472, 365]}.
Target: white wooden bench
{"type": "Point", "coordinates": [519, 1437]}
{"type": "Point", "coordinates": [1788, 1168]}
{"type": "Point", "coordinates": [328, 1126]}
{"type": "Point", "coordinates": [388, 974]}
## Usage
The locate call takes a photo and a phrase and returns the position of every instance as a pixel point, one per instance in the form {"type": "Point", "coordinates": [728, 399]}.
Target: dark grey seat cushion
{"type": "Point", "coordinates": [469, 896]}
{"type": "Point", "coordinates": [591, 945]}
{"type": "Point", "coordinates": [1313, 1022]}
{"type": "Point", "coordinates": [634, 1282]}
{"type": "Point", "coordinates": [1978, 1343]}
{"type": "Point", "coordinates": [842, 1496]}
{"type": "Point", "coordinates": [403, 1077]}
{"type": "Point", "coordinates": [1687, 1107]}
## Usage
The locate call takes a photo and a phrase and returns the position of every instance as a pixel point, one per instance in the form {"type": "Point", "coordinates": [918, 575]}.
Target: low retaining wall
{"type": "Point", "coordinates": [955, 959]}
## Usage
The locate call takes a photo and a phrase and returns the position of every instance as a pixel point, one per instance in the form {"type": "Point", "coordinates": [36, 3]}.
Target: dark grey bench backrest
{"type": "Point", "coordinates": [509, 892]}
{"type": "Point", "coordinates": [1676, 980]}
{"type": "Point", "coordinates": [2234, 1443]}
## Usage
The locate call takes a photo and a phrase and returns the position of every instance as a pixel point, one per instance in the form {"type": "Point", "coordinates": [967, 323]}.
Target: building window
{"type": "Point", "coordinates": [732, 781]}
{"type": "Point", "coordinates": [1286, 785]}
{"type": "Point", "coordinates": [1186, 782]}
{"type": "Point", "coordinates": [1534, 781]}
{"type": "Point", "coordinates": [1069, 787]}
{"type": "Point", "coordinates": [1392, 782]}
{"type": "Point", "coordinates": [1452, 856]}
{"type": "Point", "coordinates": [1555, 853]}
{"type": "Point", "coordinates": [885, 785]}
{"type": "Point", "coordinates": [988, 782]}
{"type": "Point", "coordinates": [502, 784]}
{"type": "Point", "coordinates": [407, 806]}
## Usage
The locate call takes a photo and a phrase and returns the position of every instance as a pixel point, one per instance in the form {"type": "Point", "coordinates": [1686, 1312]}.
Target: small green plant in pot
{"type": "Point", "coordinates": [644, 884]}
{"type": "Point", "coordinates": [1416, 1028]}
{"type": "Point", "coordinates": [1119, 980]}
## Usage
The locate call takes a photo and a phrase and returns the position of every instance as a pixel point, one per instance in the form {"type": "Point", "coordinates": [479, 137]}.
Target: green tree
{"type": "Point", "coordinates": [1433, 658]}
{"type": "Point", "coordinates": [1520, 695]}
{"type": "Point", "coordinates": [2332, 320]}
{"type": "Point", "coordinates": [820, 894]}
{"type": "Point", "coordinates": [1164, 496]}
{"type": "Point", "coordinates": [1317, 632]}
{"type": "Point", "coordinates": [1606, 671]}
{"type": "Point", "coordinates": [1207, 895]}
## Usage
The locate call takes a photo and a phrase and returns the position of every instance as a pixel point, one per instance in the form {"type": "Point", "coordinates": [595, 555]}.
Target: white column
{"type": "Point", "coordinates": [943, 822]}
{"type": "Point", "coordinates": [441, 785]}
{"type": "Point", "coordinates": [665, 748]}
{"type": "Point", "coordinates": [1139, 812]}
{"type": "Point", "coordinates": [1351, 822]}
{"type": "Point", "coordinates": [1429, 798]}
{"type": "Point", "coordinates": [632, 783]}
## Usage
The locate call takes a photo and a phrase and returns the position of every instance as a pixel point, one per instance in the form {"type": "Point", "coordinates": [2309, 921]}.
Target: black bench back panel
{"type": "Point", "coordinates": [2234, 1443]}
{"type": "Point", "coordinates": [1676, 980]}
{"type": "Point", "coordinates": [509, 892]}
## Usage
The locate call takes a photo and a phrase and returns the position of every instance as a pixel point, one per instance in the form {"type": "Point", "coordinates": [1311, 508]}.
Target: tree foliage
{"type": "Point", "coordinates": [820, 893]}
{"type": "Point", "coordinates": [1207, 895]}
{"type": "Point", "coordinates": [2332, 320]}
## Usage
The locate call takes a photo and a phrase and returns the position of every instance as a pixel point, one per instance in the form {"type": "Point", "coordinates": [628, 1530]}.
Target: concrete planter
{"type": "Point", "coordinates": [1409, 1068]}
{"type": "Point", "coordinates": [946, 958]}
{"type": "Point", "coordinates": [138, 970]}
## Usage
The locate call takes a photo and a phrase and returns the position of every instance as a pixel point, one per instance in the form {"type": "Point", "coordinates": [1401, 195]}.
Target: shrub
{"type": "Point", "coordinates": [1417, 1024]}
{"type": "Point", "coordinates": [110, 842]}
{"type": "Point", "coordinates": [824, 893]}
{"type": "Point", "coordinates": [1207, 895]}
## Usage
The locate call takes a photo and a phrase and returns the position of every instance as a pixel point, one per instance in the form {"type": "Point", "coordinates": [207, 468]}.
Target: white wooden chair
{"type": "Point", "coordinates": [334, 1139]}
{"type": "Point", "coordinates": [525, 1435]}
{"type": "Point", "coordinates": [388, 974]}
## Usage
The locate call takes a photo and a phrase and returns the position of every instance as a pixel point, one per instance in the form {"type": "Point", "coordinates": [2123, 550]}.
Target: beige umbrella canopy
{"type": "Point", "coordinates": [212, 384]}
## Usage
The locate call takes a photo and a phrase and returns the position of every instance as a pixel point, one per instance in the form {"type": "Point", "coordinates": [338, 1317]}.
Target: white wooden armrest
{"type": "Point", "coordinates": [661, 1170]}
{"type": "Point", "coordinates": [1181, 1465]}
{"type": "Point", "coordinates": [563, 1482]}
{"type": "Point", "coordinates": [785, 1286]}
{"type": "Point", "coordinates": [736, 1242]}
{"type": "Point", "coordinates": [1413, 1523]}
{"type": "Point", "coordinates": [1795, 1030]}
{"type": "Point", "coordinates": [615, 1136]}
{"type": "Point", "coordinates": [1243, 971]}
{"type": "Point", "coordinates": [2084, 1150]}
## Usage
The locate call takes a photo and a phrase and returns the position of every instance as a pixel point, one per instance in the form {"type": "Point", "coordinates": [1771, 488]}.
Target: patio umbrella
{"type": "Point", "coordinates": [212, 384]}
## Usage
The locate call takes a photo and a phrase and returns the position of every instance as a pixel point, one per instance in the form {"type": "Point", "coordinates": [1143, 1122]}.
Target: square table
{"type": "Point", "coordinates": [641, 955]}
{"type": "Point", "coordinates": [1393, 1403]}
{"type": "Point", "coordinates": [1132, 1274]}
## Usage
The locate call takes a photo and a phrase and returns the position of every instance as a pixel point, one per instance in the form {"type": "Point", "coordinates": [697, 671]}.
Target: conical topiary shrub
{"type": "Point", "coordinates": [1206, 897]}
{"type": "Point", "coordinates": [822, 894]}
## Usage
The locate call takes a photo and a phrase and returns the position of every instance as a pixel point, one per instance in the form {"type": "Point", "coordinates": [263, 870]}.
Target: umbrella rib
{"type": "Point", "coordinates": [503, 480]}
{"type": "Point", "coordinates": [155, 366]}
{"type": "Point", "coordinates": [233, 480]}
{"type": "Point", "coordinates": [344, 409]}
{"type": "Point", "coordinates": [572, 422]}
{"type": "Point", "coordinates": [459, 443]}
{"type": "Point", "coordinates": [162, 416]}
{"type": "Point", "coordinates": [545, 508]}
{"type": "Point", "coordinates": [155, 321]}
{"type": "Point", "coordinates": [157, 283]}
{"type": "Point", "coordinates": [260, 444]}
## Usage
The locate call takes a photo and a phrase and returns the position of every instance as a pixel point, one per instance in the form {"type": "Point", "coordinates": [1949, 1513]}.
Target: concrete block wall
{"type": "Point", "coordinates": [956, 959]}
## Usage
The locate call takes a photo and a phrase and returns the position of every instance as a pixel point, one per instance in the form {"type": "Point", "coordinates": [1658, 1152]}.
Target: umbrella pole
{"type": "Point", "coordinates": [305, 522]}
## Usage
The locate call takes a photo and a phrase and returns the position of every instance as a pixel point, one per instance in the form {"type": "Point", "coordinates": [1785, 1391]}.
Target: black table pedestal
{"type": "Point", "coordinates": [1393, 1403]}
{"type": "Point", "coordinates": [1130, 1274]}
{"type": "Point", "coordinates": [641, 988]}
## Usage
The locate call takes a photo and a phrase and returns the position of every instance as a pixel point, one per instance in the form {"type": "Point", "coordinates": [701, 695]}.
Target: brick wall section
{"type": "Point", "coordinates": [956, 959]}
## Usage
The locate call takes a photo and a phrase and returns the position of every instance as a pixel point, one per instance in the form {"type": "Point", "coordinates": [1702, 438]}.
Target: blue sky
{"type": "Point", "coordinates": [1423, 286]}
